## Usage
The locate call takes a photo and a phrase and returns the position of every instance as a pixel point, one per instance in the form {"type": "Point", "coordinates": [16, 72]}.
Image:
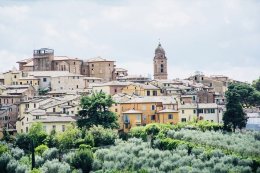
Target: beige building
{"type": "Point", "coordinates": [141, 90]}
{"type": "Point", "coordinates": [205, 111]}
{"type": "Point", "coordinates": [67, 82]}
{"type": "Point", "coordinates": [219, 85]}
{"type": "Point", "coordinates": [44, 60]}
{"type": "Point", "coordinates": [62, 110]}
{"type": "Point", "coordinates": [112, 88]}
{"type": "Point", "coordinates": [101, 68]}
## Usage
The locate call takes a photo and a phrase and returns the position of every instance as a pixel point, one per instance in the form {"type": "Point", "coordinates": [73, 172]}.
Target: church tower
{"type": "Point", "coordinates": [160, 63]}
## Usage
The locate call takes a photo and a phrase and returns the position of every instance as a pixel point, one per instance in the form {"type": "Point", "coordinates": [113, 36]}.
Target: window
{"type": "Point", "coordinates": [148, 93]}
{"type": "Point", "coordinates": [182, 111]}
{"type": "Point", "coordinates": [200, 110]}
{"type": "Point", "coordinates": [54, 127]}
{"type": "Point", "coordinates": [115, 90]}
{"type": "Point", "coordinates": [44, 79]}
{"type": "Point", "coordinates": [77, 86]}
{"type": "Point", "coordinates": [74, 63]}
{"type": "Point", "coordinates": [92, 66]}
{"type": "Point", "coordinates": [37, 117]}
{"type": "Point", "coordinates": [170, 116]}
{"type": "Point", "coordinates": [194, 111]}
{"type": "Point", "coordinates": [154, 93]}
{"type": "Point", "coordinates": [26, 129]}
{"type": "Point", "coordinates": [126, 119]}
{"type": "Point", "coordinates": [183, 120]}
{"type": "Point", "coordinates": [212, 111]}
{"type": "Point", "coordinates": [161, 65]}
{"type": "Point", "coordinates": [138, 118]}
{"type": "Point", "coordinates": [152, 117]}
{"type": "Point", "coordinates": [53, 110]}
{"type": "Point", "coordinates": [153, 107]}
{"type": "Point", "coordinates": [63, 128]}
{"type": "Point", "coordinates": [115, 110]}
{"type": "Point", "coordinates": [34, 105]}
{"type": "Point", "coordinates": [161, 70]}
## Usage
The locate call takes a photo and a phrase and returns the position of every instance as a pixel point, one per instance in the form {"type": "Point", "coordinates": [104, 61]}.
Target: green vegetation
{"type": "Point", "coordinates": [95, 146]}
{"type": "Point", "coordinates": [185, 147]}
{"type": "Point", "coordinates": [95, 111]}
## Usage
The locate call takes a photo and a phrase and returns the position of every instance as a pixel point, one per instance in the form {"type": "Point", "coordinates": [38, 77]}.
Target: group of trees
{"type": "Point", "coordinates": [240, 96]}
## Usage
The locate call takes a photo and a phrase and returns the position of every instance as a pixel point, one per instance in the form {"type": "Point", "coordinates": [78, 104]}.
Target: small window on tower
{"type": "Point", "coordinates": [162, 65]}
{"type": "Point", "coordinates": [162, 70]}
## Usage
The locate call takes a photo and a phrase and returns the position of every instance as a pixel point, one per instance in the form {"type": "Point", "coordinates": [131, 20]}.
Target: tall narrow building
{"type": "Point", "coordinates": [160, 63]}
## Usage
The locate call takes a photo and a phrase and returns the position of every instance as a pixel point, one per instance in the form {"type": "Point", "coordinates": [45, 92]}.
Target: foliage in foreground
{"type": "Point", "coordinates": [135, 154]}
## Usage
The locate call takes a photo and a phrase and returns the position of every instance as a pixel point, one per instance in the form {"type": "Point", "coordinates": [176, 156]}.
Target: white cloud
{"type": "Point", "coordinates": [211, 36]}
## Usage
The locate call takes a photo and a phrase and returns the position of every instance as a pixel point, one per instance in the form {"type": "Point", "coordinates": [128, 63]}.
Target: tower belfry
{"type": "Point", "coordinates": [160, 63]}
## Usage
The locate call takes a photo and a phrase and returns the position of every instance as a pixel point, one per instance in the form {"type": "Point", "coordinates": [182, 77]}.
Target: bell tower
{"type": "Point", "coordinates": [160, 63]}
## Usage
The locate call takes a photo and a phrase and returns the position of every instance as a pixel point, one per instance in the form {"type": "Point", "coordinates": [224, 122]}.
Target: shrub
{"type": "Point", "coordinates": [35, 170]}
{"type": "Point", "coordinates": [103, 136]}
{"type": "Point", "coordinates": [83, 160]}
{"type": "Point", "coordinates": [21, 169]}
{"type": "Point", "coordinates": [51, 154]}
{"type": "Point", "coordinates": [4, 160]}
{"type": "Point", "coordinates": [67, 139]}
{"type": "Point", "coordinates": [138, 132]}
{"type": "Point", "coordinates": [39, 161]}
{"type": "Point", "coordinates": [25, 160]}
{"type": "Point", "coordinates": [17, 153]}
{"type": "Point", "coordinates": [12, 165]}
{"type": "Point", "coordinates": [89, 140]}
{"type": "Point", "coordinates": [40, 149]}
{"type": "Point", "coordinates": [55, 166]}
{"type": "Point", "coordinates": [3, 149]}
{"type": "Point", "coordinates": [68, 157]}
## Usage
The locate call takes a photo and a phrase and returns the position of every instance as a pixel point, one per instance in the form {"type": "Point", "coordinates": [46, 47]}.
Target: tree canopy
{"type": "Point", "coordinates": [95, 111]}
{"type": "Point", "coordinates": [247, 95]}
{"type": "Point", "coordinates": [234, 117]}
{"type": "Point", "coordinates": [256, 84]}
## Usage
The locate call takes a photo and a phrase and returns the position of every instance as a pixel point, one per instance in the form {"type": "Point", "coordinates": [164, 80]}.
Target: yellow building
{"type": "Point", "coordinates": [168, 116]}
{"type": "Point", "coordinates": [145, 110]}
{"type": "Point", "coordinates": [132, 118]}
{"type": "Point", "coordinates": [141, 90]}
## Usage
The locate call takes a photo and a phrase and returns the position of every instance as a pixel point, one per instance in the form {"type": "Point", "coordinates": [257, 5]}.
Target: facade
{"type": "Point", "coordinates": [204, 111]}
{"type": "Point", "coordinates": [44, 60]}
{"type": "Point", "coordinates": [8, 117]}
{"type": "Point", "coordinates": [135, 111]}
{"type": "Point", "coordinates": [49, 111]}
{"type": "Point", "coordinates": [141, 90]}
{"type": "Point", "coordinates": [112, 87]}
{"type": "Point", "coordinates": [160, 63]}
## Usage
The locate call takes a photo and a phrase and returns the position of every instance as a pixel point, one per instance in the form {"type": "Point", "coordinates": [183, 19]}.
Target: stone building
{"type": "Point", "coordinates": [44, 60]}
{"type": "Point", "coordinates": [160, 63]}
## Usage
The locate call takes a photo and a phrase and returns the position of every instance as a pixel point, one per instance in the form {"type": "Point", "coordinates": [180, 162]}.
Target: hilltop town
{"type": "Point", "coordinates": [47, 88]}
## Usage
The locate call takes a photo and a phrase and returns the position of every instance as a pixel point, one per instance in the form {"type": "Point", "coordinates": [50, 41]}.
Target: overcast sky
{"type": "Point", "coordinates": [215, 37]}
